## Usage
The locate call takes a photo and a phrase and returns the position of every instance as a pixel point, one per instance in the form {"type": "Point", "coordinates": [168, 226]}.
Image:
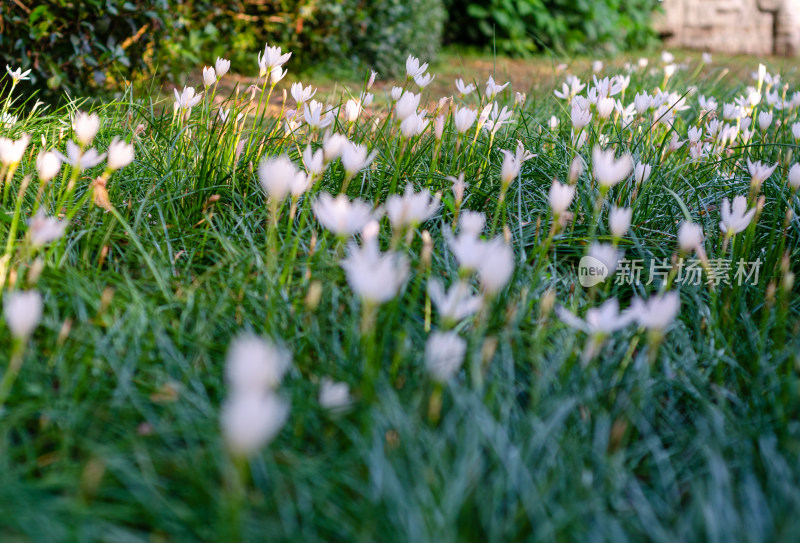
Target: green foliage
{"type": "Point", "coordinates": [520, 27]}
{"type": "Point", "coordinates": [81, 45]}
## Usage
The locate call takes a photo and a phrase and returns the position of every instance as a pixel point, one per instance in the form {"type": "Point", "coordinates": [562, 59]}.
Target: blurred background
{"type": "Point", "coordinates": [86, 47]}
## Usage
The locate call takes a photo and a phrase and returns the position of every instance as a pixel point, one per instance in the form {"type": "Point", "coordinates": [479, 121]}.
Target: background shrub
{"type": "Point", "coordinates": [520, 27]}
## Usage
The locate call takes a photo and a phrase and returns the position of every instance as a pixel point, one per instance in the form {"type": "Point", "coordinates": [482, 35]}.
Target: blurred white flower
{"type": "Point", "coordinates": [599, 321]}
{"type": "Point", "coordinates": [456, 304]}
{"type": "Point", "coordinates": [277, 176]}
{"type": "Point", "coordinates": [607, 254]}
{"type": "Point", "coordinates": [424, 80]}
{"type": "Point", "coordinates": [352, 110]}
{"type": "Point", "coordinates": [43, 229]}
{"type": "Point", "coordinates": [496, 265]}
{"type": "Point", "coordinates": [444, 355]}
{"type": "Point", "coordinates": [23, 311]}
{"type": "Point", "coordinates": [376, 277]}
{"type": "Point", "coordinates": [736, 218]}
{"type": "Point", "coordinates": [81, 159]}
{"type": "Point", "coordinates": [313, 115]}
{"type": "Point", "coordinates": [412, 208]}
{"type": "Point", "coordinates": [314, 161]}
{"type": "Point", "coordinates": [464, 118]}
{"type": "Point", "coordinates": [355, 158]}
{"type": "Point", "coordinates": [463, 89]}
{"type": "Point", "coordinates": [12, 151]}
{"type": "Point", "coordinates": [759, 172]}
{"type": "Point", "coordinates": [608, 170]}
{"type": "Point", "coordinates": [250, 421]}
{"type": "Point", "coordinates": [271, 59]}
{"type": "Point", "coordinates": [47, 165]}
{"type": "Point", "coordinates": [120, 154]}
{"type": "Point", "coordinates": [276, 74]}
{"type": "Point", "coordinates": [658, 311]}
{"type": "Point", "coordinates": [492, 88]}
{"type": "Point", "coordinates": [254, 365]}
{"type": "Point", "coordinates": [498, 118]}
{"type": "Point", "coordinates": [407, 105]}
{"type": "Point", "coordinates": [333, 396]}
{"type": "Point", "coordinates": [209, 76]}
{"type": "Point", "coordinates": [794, 176]}
{"type": "Point", "coordinates": [764, 120]}
{"type": "Point", "coordinates": [187, 99]}
{"type": "Point", "coordinates": [396, 93]}
{"type": "Point", "coordinates": [340, 215]}
{"type": "Point", "coordinates": [333, 145]}
{"type": "Point", "coordinates": [580, 117]}
{"type": "Point", "coordinates": [413, 67]}
{"type": "Point", "coordinates": [512, 163]}
{"type": "Point", "coordinates": [560, 197]}
{"type": "Point", "coordinates": [414, 125]}
{"type": "Point", "coordinates": [690, 237]}
{"type": "Point", "coordinates": [641, 172]}
{"type": "Point", "coordinates": [371, 81]}
{"type": "Point", "coordinates": [619, 220]}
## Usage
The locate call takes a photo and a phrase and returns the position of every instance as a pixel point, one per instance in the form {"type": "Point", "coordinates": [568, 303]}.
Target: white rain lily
{"type": "Point", "coordinates": [47, 165]}
{"type": "Point", "coordinates": [608, 170]}
{"type": "Point", "coordinates": [496, 265]}
{"type": "Point", "coordinates": [444, 355]}
{"type": "Point", "coordinates": [355, 158]}
{"type": "Point", "coordinates": [17, 75]}
{"type": "Point", "coordinates": [209, 76]}
{"type": "Point", "coordinates": [607, 254]}
{"type": "Point", "coordinates": [736, 218]}
{"type": "Point", "coordinates": [492, 88]}
{"type": "Point", "coordinates": [599, 321]}
{"type": "Point", "coordinates": [314, 161]}
{"type": "Point", "coordinates": [333, 396]}
{"type": "Point", "coordinates": [86, 126]}
{"type": "Point", "coordinates": [407, 105]}
{"type": "Point", "coordinates": [271, 59]}
{"type": "Point", "coordinates": [658, 311]}
{"type": "Point", "coordinates": [498, 118]}
{"type": "Point", "coordinates": [221, 67]}
{"type": "Point", "coordinates": [512, 163]}
{"type": "Point", "coordinates": [457, 303]}
{"type": "Point", "coordinates": [22, 311]}
{"type": "Point", "coordinates": [254, 364]}
{"type": "Point", "coordinates": [641, 172]}
{"type": "Point", "coordinates": [619, 220]}
{"type": "Point", "coordinates": [340, 215]}
{"type": "Point", "coordinates": [560, 197]}
{"type": "Point", "coordinates": [333, 145]}
{"type": "Point", "coordinates": [82, 160]}
{"type": "Point", "coordinates": [120, 154]}
{"type": "Point", "coordinates": [376, 277]}
{"type": "Point", "coordinates": [413, 68]}
{"type": "Point", "coordinates": [278, 175]}
{"type": "Point", "coordinates": [764, 120]}
{"type": "Point", "coordinates": [424, 80]}
{"type": "Point", "coordinates": [414, 125]}
{"type": "Point", "coordinates": [690, 237]}
{"type": "Point", "coordinates": [412, 208]}
{"type": "Point", "coordinates": [250, 421]}
{"type": "Point", "coordinates": [187, 99]}
{"type": "Point", "coordinates": [12, 151]}
{"type": "Point", "coordinates": [313, 115]}
{"type": "Point", "coordinates": [580, 117]}
{"type": "Point", "coordinates": [43, 229]}
{"type": "Point", "coordinates": [464, 118]}
{"type": "Point", "coordinates": [352, 109]}
{"type": "Point", "coordinates": [463, 89]}
{"type": "Point", "coordinates": [759, 172]}
{"type": "Point", "coordinates": [794, 176]}
{"type": "Point", "coordinates": [302, 94]}
{"type": "Point", "coordinates": [276, 75]}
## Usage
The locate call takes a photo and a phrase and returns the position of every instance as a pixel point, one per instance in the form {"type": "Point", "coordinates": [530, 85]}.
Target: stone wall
{"type": "Point", "coordinates": [755, 27]}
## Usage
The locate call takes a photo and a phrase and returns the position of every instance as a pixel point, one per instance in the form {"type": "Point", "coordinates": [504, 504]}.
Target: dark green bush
{"type": "Point", "coordinates": [80, 45]}
{"type": "Point", "coordinates": [520, 27]}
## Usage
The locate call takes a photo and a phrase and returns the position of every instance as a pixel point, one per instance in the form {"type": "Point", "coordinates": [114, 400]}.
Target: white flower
{"type": "Point", "coordinates": [411, 208]}
{"type": "Point", "coordinates": [607, 169]}
{"type": "Point", "coordinates": [424, 80]}
{"type": "Point", "coordinates": [414, 125]}
{"type": "Point", "coordinates": [340, 215]}
{"type": "Point", "coordinates": [764, 120]}
{"type": "Point", "coordinates": [794, 176]}
{"type": "Point", "coordinates": [735, 219]}
{"type": "Point", "coordinates": [464, 118]}
{"type": "Point", "coordinates": [444, 355]}
{"type": "Point", "coordinates": [641, 172]}
{"type": "Point", "coordinates": [690, 237]}
{"type": "Point", "coordinates": [209, 76]}
{"type": "Point", "coordinates": [352, 109]}
{"type": "Point", "coordinates": [187, 99]}
{"type": "Point", "coordinates": [619, 220]}
{"type": "Point", "coordinates": [371, 81]}
{"type": "Point", "coordinates": [580, 117]}
{"type": "Point", "coordinates": [553, 123]}
{"type": "Point", "coordinates": [496, 265]}
{"type": "Point", "coordinates": [333, 396]}
{"type": "Point", "coordinates": [605, 106]}
{"type": "Point", "coordinates": [12, 151]}
{"type": "Point", "coordinates": [23, 311]}
{"type": "Point", "coordinates": [333, 145]}
{"type": "Point", "coordinates": [272, 58]}
{"type": "Point", "coordinates": [301, 94]}
{"type": "Point", "coordinates": [221, 67]}
{"type": "Point", "coordinates": [658, 312]}
{"type": "Point", "coordinates": [599, 321]}
{"type": "Point", "coordinates": [277, 176]}
{"type": "Point", "coordinates": [607, 254]}
{"type": "Point", "coordinates": [407, 105]}
{"type": "Point", "coordinates": [81, 159]}
{"type": "Point", "coordinates": [254, 365]}
{"type": "Point", "coordinates": [312, 114]}
{"type": "Point", "coordinates": [120, 154]}
{"type": "Point", "coordinates": [796, 131]}
{"type": "Point", "coordinates": [314, 161]}
{"type": "Point", "coordinates": [355, 158]}
{"type": "Point", "coordinates": [560, 197]}
{"type": "Point", "coordinates": [467, 247]}
{"type": "Point", "coordinates": [759, 172]}
{"type": "Point", "coordinates": [276, 75]}
{"type": "Point", "coordinates": [376, 277]}
{"type": "Point", "coordinates": [47, 165]}
{"type": "Point", "coordinates": [17, 75]}
{"type": "Point", "coordinates": [512, 163]}
{"type": "Point", "coordinates": [43, 229]}
{"type": "Point", "coordinates": [396, 93]}
{"type": "Point", "coordinates": [493, 88]}
{"type": "Point", "coordinates": [463, 89]}
{"type": "Point", "coordinates": [642, 102]}
{"type": "Point", "coordinates": [498, 118]}
{"type": "Point", "coordinates": [250, 421]}
{"type": "Point", "coordinates": [456, 304]}
{"type": "Point", "coordinates": [413, 67]}
{"type": "Point", "coordinates": [597, 66]}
